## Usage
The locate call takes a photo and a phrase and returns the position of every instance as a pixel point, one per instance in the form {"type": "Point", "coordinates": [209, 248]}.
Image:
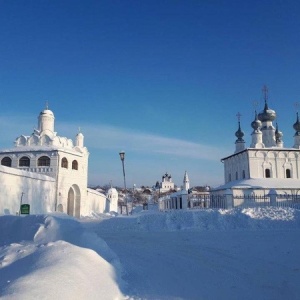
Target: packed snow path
{"type": "Point", "coordinates": [207, 264]}
{"type": "Point", "coordinates": [221, 265]}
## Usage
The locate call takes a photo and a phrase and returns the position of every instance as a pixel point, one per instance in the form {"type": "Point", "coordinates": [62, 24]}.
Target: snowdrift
{"type": "Point", "coordinates": [54, 257]}
{"type": "Point", "coordinates": [210, 219]}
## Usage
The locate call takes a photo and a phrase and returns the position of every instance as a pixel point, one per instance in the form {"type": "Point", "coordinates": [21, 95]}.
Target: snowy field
{"type": "Point", "coordinates": [211, 254]}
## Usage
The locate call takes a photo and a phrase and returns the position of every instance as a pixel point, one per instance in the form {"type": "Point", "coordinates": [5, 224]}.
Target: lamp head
{"type": "Point", "coordinates": [122, 155]}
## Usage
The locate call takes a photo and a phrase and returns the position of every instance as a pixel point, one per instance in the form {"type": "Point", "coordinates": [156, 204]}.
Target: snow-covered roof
{"type": "Point", "coordinates": [41, 148]}
{"type": "Point", "coordinates": [262, 149]}
{"type": "Point", "coordinates": [92, 191]}
{"type": "Point", "coordinates": [262, 183]}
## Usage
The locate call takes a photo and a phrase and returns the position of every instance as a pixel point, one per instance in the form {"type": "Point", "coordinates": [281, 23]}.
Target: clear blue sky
{"type": "Point", "coordinates": [161, 80]}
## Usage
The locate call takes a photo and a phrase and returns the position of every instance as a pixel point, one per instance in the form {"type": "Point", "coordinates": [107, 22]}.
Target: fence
{"type": "Point", "coordinates": [228, 201]}
{"type": "Point", "coordinates": [279, 200]}
{"type": "Point", "coordinates": [243, 201]}
{"type": "Point", "coordinates": [207, 201]}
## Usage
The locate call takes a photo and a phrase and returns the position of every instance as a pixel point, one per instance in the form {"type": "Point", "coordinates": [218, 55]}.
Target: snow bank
{"type": "Point", "coordinates": [54, 257]}
{"type": "Point", "coordinates": [209, 219]}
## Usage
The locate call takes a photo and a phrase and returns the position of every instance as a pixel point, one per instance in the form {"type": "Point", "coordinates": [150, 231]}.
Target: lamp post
{"type": "Point", "coordinates": [122, 157]}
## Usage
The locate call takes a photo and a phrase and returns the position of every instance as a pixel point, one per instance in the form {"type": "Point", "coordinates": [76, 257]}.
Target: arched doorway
{"type": "Point", "coordinates": [74, 198]}
{"type": "Point", "coordinates": [70, 210]}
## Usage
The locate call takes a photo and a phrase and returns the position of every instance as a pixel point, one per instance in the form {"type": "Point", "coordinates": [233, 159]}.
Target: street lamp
{"type": "Point", "coordinates": [122, 157]}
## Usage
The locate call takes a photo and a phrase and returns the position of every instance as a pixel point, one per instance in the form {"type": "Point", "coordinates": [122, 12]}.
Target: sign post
{"type": "Point", "coordinates": [25, 209]}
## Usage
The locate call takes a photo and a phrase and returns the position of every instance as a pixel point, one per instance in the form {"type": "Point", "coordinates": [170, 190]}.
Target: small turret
{"type": "Point", "coordinates": [46, 121]}
{"type": "Point", "coordinates": [256, 133]}
{"type": "Point", "coordinates": [278, 136]}
{"type": "Point", "coordinates": [79, 139]}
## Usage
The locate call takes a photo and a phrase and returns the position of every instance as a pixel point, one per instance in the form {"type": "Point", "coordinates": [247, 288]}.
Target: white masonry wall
{"type": "Point", "coordinates": [95, 203]}
{"type": "Point", "coordinates": [38, 189]}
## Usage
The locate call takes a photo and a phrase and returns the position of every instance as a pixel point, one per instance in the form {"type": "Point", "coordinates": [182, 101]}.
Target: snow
{"type": "Point", "coordinates": [248, 253]}
{"type": "Point", "coordinates": [261, 183]}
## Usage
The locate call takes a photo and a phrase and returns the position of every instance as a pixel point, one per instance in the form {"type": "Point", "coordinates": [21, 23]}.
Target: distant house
{"type": "Point", "coordinates": [166, 183]}
{"type": "Point", "coordinates": [177, 200]}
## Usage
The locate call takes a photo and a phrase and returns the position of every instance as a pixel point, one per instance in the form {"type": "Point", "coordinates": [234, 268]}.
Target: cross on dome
{"type": "Point", "coordinates": [265, 93]}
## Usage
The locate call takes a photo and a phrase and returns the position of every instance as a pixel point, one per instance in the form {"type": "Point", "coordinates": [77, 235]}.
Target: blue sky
{"type": "Point", "coordinates": [161, 80]}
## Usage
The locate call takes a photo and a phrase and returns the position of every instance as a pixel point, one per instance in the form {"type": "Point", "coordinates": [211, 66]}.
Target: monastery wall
{"type": "Point", "coordinates": [38, 189]}
{"type": "Point", "coordinates": [95, 202]}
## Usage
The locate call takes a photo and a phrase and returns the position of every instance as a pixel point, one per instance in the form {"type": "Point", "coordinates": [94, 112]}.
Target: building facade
{"type": "Point", "coordinates": [56, 158]}
{"type": "Point", "coordinates": [166, 183]}
{"type": "Point", "coordinates": [266, 165]}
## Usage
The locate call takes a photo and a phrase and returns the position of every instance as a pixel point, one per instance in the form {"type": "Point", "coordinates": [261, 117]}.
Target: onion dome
{"type": "Point", "coordinates": [267, 114]}
{"type": "Point", "coordinates": [167, 176]}
{"type": "Point", "coordinates": [278, 134]}
{"type": "Point", "coordinates": [239, 134]}
{"type": "Point", "coordinates": [256, 124]}
{"type": "Point", "coordinates": [296, 125]}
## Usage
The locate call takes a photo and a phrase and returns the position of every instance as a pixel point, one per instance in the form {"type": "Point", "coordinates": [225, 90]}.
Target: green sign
{"type": "Point", "coordinates": [25, 209]}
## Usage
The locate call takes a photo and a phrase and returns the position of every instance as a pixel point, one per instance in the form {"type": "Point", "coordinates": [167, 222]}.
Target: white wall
{"type": "Point", "coordinates": [39, 191]}
{"type": "Point", "coordinates": [94, 202]}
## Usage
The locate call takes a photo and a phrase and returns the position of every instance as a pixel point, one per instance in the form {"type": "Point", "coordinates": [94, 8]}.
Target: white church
{"type": "Point", "coordinates": [50, 173]}
{"type": "Point", "coordinates": [167, 183]}
{"type": "Point", "coordinates": [266, 165]}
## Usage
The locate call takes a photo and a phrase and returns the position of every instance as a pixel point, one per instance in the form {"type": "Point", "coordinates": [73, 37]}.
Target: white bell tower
{"type": "Point", "coordinates": [186, 182]}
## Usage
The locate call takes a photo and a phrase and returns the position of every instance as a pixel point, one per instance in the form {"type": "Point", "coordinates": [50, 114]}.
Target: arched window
{"type": "Point", "coordinates": [244, 174]}
{"type": "Point", "coordinates": [74, 165]}
{"type": "Point", "coordinates": [24, 161]}
{"type": "Point", "coordinates": [6, 161]}
{"type": "Point", "coordinates": [288, 173]}
{"type": "Point", "coordinates": [267, 173]}
{"type": "Point", "coordinates": [64, 163]}
{"type": "Point", "coordinates": [44, 161]}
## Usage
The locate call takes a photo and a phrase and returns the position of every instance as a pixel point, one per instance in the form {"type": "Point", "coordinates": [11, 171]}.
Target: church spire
{"type": "Point", "coordinates": [296, 126]}
{"type": "Point", "coordinates": [239, 143]}
{"type": "Point", "coordinates": [267, 116]}
{"type": "Point", "coordinates": [186, 182]}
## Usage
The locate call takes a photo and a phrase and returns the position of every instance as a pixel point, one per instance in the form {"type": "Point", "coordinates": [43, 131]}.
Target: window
{"type": "Point", "coordinates": [236, 176]}
{"type": "Point", "coordinates": [74, 165]}
{"type": "Point", "coordinates": [6, 161]}
{"type": "Point", "coordinates": [24, 162]}
{"type": "Point", "coordinates": [244, 174]}
{"type": "Point", "coordinates": [288, 173]}
{"type": "Point", "coordinates": [267, 173]}
{"type": "Point", "coordinates": [44, 161]}
{"type": "Point", "coordinates": [64, 163]}
{"type": "Point", "coordinates": [229, 177]}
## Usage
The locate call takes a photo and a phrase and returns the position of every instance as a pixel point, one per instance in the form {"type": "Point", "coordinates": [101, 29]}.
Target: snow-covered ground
{"type": "Point", "coordinates": [210, 254]}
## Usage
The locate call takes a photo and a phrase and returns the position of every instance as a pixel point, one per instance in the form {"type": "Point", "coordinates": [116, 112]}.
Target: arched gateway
{"type": "Point", "coordinates": [74, 198]}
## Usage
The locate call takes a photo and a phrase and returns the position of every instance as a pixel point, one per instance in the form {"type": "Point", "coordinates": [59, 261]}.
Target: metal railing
{"type": "Point", "coordinates": [207, 201]}
{"type": "Point", "coordinates": [280, 200]}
